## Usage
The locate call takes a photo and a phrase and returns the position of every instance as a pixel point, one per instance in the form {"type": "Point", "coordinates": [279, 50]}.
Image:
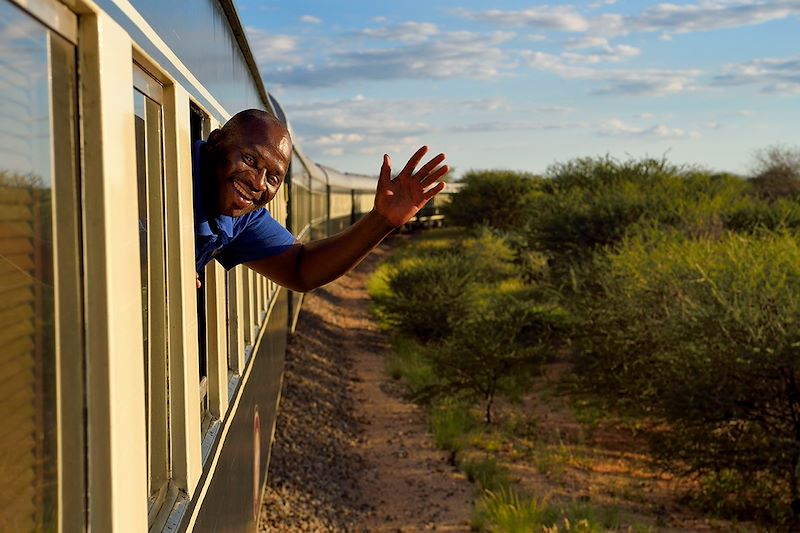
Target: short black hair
{"type": "Point", "coordinates": [251, 115]}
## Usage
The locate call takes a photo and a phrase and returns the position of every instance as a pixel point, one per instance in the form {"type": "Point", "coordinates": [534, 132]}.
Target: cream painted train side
{"type": "Point", "coordinates": [133, 401]}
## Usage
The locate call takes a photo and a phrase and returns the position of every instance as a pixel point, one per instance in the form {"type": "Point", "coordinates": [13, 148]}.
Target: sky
{"type": "Point", "coordinates": [521, 85]}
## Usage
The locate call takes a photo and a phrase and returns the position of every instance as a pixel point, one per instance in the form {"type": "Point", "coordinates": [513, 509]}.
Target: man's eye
{"type": "Point", "coordinates": [249, 159]}
{"type": "Point", "coordinates": [274, 180]}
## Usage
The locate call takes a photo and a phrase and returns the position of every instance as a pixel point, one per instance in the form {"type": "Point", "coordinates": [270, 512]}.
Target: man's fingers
{"type": "Point", "coordinates": [435, 175]}
{"type": "Point", "coordinates": [414, 161]}
{"type": "Point", "coordinates": [433, 191]}
{"type": "Point", "coordinates": [386, 170]}
{"type": "Point", "coordinates": [430, 165]}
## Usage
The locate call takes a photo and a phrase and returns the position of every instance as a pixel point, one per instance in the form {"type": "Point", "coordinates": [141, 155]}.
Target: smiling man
{"type": "Point", "coordinates": [241, 168]}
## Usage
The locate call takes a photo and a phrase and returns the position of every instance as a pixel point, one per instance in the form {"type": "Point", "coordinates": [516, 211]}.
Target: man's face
{"type": "Point", "coordinates": [248, 164]}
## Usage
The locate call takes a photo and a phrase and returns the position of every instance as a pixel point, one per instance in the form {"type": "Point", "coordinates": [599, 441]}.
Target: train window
{"type": "Point", "coordinates": [199, 123]}
{"type": "Point", "coordinates": [300, 214]}
{"type": "Point", "coordinates": [37, 158]}
{"type": "Point", "coordinates": [199, 129]}
{"type": "Point", "coordinates": [147, 94]}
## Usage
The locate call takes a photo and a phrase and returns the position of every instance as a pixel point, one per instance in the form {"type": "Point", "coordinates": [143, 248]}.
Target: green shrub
{"type": "Point", "coordinates": [451, 424]}
{"type": "Point", "coordinates": [508, 511]}
{"type": "Point", "coordinates": [729, 494]}
{"type": "Point", "coordinates": [489, 255]}
{"type": "Point", "coordinates": [486, 473]}
{"type": "Point", "coordinates": [751, 214]}
{"type": "Point", "coordinates": [590, 203]}
{"type": "Point", "coordinates": [704, 334]}
{"type": "Point", "coordinates": [411, 362]}
{"type": "Point", "coordinates": [496, 198]}
{"type": "Point", "coordinates": [423, 295]}
{"type": "Point", "coordinates": [495, 346]}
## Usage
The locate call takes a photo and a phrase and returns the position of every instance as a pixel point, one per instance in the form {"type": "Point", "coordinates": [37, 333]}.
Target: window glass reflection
{"type": "Point", "coordinates": [33, 66]}
{"type": "Point", "coordinates": [148, 123]}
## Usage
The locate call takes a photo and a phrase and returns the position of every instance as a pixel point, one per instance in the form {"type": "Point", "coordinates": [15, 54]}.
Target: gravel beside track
{"type": "Point", "coordinates": [349, 453]}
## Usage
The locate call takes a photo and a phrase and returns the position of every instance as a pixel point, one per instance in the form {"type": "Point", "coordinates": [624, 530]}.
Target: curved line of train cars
{"type": "Point", "coordinates": [134, 401]}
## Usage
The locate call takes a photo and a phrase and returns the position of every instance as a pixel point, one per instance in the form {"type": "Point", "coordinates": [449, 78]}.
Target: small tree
{"type": "Point", "coordinates": [495, 347]}
{"type": "Point", "coordinates": [424, 293]}
{"type": "Point", "coordinates": [497, 198]}
{"type": "Point", "coordinates": [777, 172]}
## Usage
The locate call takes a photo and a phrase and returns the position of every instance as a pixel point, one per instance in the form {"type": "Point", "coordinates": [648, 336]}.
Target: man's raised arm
{"type": "Point", "coordinates": [307, 266]}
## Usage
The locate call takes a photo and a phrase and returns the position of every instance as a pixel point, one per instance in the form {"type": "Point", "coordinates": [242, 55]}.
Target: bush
{"type": "Point", "coordinates": [497, 198]}
{"type": "Point", "coordinates": [729, 494]}
{"type": "Point", "coordinates": [451, 423]}
{"type": "Point", "coordinates": [704, 333]}
{"type": "Point", "coordinates": [508, 511]}
{"type": "Point", "coordinates": [489, 255]}
{"type": "Point", "coordinates": [777, 172]}
{"type": "Point", "coordinates": [411, 362]}
{"type": "Point", "coordinates": [486, 473]}
{"type": "Point", "coordinates": [423, 295]}
{"type": "Point", "coordinates": [751, 214]}
{"type": "Point", "coordinates": [495, 346]}
{"type": "Point", "coordinates": [587, 204]}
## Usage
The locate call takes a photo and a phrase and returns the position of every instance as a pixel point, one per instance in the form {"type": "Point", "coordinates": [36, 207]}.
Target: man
{"type": "Point", "coordinates": [241, 168]}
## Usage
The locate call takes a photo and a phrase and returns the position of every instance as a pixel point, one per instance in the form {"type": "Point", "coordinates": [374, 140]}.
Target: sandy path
{"type": "Point", "coordinates": [350, 454]}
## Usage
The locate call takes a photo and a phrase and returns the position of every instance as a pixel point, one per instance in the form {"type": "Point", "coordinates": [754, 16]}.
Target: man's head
{"type": "Point", "coordinates": [246, 161]}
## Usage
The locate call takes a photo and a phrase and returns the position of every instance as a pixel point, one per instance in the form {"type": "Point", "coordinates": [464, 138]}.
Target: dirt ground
{"type": "Point", "coordinates": [350, 454]}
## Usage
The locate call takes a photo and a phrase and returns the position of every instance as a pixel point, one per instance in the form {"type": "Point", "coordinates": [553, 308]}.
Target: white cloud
{"type": "Point", "coordinates": [310, 19]}
{"type": "Point", "coordinates": [359, 125]}
{"type": "Point", "coordinates": [337, 139]}
{"type": "Point", "coordinates": [665, 18]}
{"type": "Point", "coordinates": [515, 125]}
{"type": "Point", "coordinates": [775, 76]}
{"type": "Point", "coordinates": [586, 42]}
{"type": "Point", "coordinates": [555, 109]}
{"type": "Point", "coordinates": [615, 81]}
{"type": "Point", "coordinates": [707, 15]}
{"type": "Point", "coordinates": [405, 32]}
{"type": "Point", "coordinates": [272, 48]}
{"type": "Point", "coordinates": [489, 104]}
{"type": "Point", "coordinates": [616, 127]}
{"type": "Point", "coordinates": [560, 18]}
{"type": "Point", "coordinates": [606, 54]}
{"type": "Point", "coordinates": [602, 3]}
{"type": "Point", "coordinates": [452, 55]}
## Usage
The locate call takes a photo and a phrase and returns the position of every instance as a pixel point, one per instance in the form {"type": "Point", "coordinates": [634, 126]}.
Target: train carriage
{"type": "Point", "coordinates": [135, 402]}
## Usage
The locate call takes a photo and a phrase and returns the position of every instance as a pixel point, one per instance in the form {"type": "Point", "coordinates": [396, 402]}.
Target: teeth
{"type": "Point", "coordinates": [246, 194]}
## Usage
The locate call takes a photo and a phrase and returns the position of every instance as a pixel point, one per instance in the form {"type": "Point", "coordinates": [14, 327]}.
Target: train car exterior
{"type": "Point", "coordinates": [135, 402]}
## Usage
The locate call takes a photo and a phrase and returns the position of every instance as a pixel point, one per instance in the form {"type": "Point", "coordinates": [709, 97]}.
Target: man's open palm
{"type": "Point", "coordinates": [399, 199]}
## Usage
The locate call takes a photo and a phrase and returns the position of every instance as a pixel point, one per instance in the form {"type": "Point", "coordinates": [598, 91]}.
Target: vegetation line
{"type": "Point", "coordinates": [667, 296]}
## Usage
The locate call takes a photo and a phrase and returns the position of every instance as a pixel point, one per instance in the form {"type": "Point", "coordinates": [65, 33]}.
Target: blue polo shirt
{"type": "Point", "coordinates": [233, 240]}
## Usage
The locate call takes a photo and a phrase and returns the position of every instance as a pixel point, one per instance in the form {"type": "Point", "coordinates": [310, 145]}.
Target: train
{"type": "Point", "coordinates": [135, 401]}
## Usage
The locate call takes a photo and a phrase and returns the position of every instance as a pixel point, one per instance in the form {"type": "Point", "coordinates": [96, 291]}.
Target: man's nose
{"type": "Point", "coordinates": [261, 179]}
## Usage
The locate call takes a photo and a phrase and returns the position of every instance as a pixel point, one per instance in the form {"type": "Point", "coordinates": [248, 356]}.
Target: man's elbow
{"type": "Point", "coordinates": [301, 286]}
{"type": "Point", "coordinates": [295, 284]}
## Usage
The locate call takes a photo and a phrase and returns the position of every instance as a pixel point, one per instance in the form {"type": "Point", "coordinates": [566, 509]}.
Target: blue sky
{"type": "Point", "coordinates": [521, 85]}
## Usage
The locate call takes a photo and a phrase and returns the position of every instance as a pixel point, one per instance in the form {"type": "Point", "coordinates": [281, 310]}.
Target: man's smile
{"type": "Point", "coordinates": [245, 193]}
